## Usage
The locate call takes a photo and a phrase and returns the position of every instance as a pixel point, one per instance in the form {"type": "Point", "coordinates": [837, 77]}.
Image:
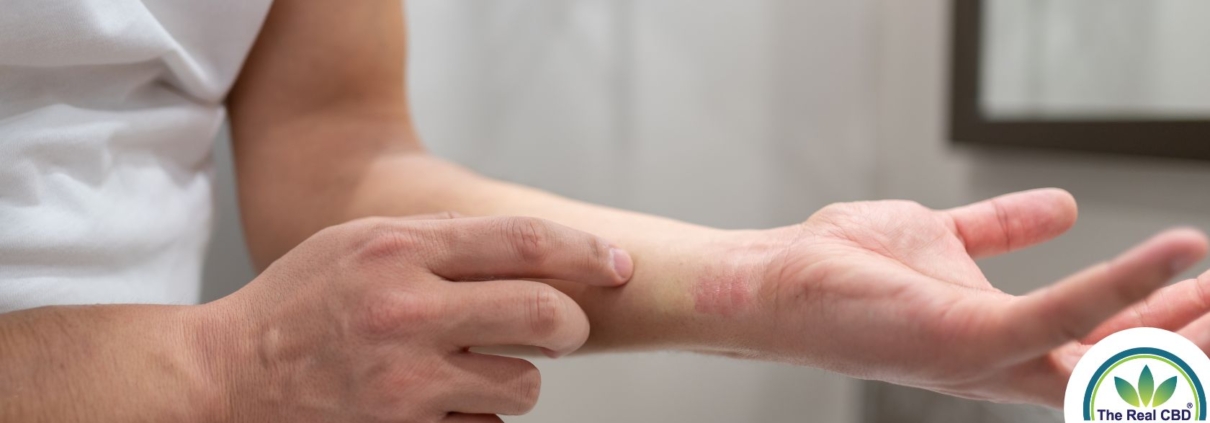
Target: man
{"type": "Point", "coordinates": [374, 320]}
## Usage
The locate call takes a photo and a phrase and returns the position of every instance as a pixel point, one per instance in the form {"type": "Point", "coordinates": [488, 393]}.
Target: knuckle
{"type": "Point", "coordinates": [1005, 224]}
{"type": "Point", "coordinates": [409, 383]}
{"type": "Point", "coordinates": [1123, 291]}
{"type": "Point", "coordinates": [530, 238]}
{"type": "Point", "coordinates": [546, 312]}
{"type": "Point", "coordinates": [529, 388]}
{"type": "Point", "coordinates": [1142, 313]}
{"type": "Point", "coordinates": [385, 315]}
{"type": "Point", "coordinates": [1202, 296]}
{"type": "Point", "coordinates": [382, 238]}
{"type": "Point", "coordinates": [598, 254]}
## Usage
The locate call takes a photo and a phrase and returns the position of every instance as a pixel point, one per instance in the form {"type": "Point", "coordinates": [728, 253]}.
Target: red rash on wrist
{"type": "Point", "coordinates": [722, 293]}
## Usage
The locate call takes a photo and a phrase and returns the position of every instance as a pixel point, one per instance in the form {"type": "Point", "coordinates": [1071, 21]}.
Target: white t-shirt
{"type": "Point", "coordinates": [108, 109]}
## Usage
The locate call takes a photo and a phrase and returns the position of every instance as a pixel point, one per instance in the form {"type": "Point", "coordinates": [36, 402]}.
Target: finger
{"type": "Point", "coordinates": [1198, 332]}
{"type": "Point", "coordinates": [432, 216]}
{"type": "Point", "coordinates": [472, 418]}
{"type": "Point", "coordinates": [1072, 308]}
{"type": "Point", "coordinates": [1170, 308]}
{"type": "Point", "coordinates": [497, 313]}
{"type": "Point", "coordinates": [1014, 221]}
{"type": "Point", "coordinates": [491, 384]}
{"type": "Point", "coordinates": [523, 247]}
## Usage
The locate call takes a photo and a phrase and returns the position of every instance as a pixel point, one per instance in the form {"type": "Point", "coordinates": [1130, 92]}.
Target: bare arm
{"type": "Point", "coordinates": [323, 135]}
{"type": "Point", "coordinates": [105, 364]}
{"type": "Point", "coordinates": [367, 321]}
{"type": "Point", "coordinates": [873, 290]}
{"type": "Point", "coordinates": [122, 363]}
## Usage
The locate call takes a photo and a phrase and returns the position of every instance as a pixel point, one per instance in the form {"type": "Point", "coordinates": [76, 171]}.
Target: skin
{"type": "Point", "coordinates": [884, 290]}
{"type": "Point", "coordinates": [879, 290]}
{"type": "Point", "coordinates": [723, 293]}
{"type": "Point", "coordinates": [370, 321]}
{"type": "Point", "coordinates": [894, 289]}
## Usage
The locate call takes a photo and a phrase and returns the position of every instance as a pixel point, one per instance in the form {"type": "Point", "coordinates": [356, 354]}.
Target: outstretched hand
{"type": "Point", "coordinates": [889, 290]}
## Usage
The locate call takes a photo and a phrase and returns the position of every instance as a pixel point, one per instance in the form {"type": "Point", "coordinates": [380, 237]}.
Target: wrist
{"type": "Point", "coordinates": [697, 289]}
{"type": "Point", "coordinates": [211, 340]}
{"type": "Point", "coordinates": [731, 292]}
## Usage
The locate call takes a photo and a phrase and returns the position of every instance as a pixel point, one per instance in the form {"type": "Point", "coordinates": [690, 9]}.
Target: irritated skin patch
{"type": "Point", "coordinates": [722, 293]}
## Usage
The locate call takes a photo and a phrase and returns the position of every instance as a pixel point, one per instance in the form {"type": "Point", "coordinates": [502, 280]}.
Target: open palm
{"type": "Point", "coordinates": [890, 290]}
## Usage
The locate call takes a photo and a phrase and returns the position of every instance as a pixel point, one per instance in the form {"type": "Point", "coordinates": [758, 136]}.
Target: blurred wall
{"type": "Point", "coordinates": [733, 114]}
{"type": "Point", "coordinates": [1122, 200]}
{"type": "Point", "coordinates": [690, 109]}
{"type": "Point", "coordinates": [736, 114]}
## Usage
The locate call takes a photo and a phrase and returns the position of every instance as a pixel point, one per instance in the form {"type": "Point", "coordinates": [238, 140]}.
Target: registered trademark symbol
{"type": "Point", "coordinates": [1189, 405]}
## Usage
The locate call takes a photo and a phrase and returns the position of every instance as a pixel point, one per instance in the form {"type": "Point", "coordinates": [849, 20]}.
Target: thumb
{"type": "Point", "coordinates": [1013, 221]}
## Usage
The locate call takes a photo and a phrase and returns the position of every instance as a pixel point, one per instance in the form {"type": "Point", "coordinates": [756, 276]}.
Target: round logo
{"type": "Point", "coordinates": [1140, 374]}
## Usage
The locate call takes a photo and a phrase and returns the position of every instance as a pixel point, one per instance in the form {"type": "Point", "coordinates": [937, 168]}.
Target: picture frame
{"type": "Point", "coordinates": [1173, 138]}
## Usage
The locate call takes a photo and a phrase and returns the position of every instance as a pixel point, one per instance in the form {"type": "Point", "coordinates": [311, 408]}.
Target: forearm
{"type": "Point", "coordinates": [657, 309]}
{"type": "Point", "coordinates": [322, 134]}
{"type": "Point", "coordinates": [103, 364]}
{"type": "Point", "coordinates": [353, 168]}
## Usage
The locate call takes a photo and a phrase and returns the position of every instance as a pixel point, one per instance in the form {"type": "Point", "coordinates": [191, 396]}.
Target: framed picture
{"type": "Point", "coordinates": [1109, 76]}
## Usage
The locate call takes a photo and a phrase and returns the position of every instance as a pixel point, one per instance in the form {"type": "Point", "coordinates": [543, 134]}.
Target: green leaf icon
{"type": "Point", "coordinates": [1126, 391]}
{"type": "Point", "coordinates": [1146, 386]}
{"type": "Point", "coordinates": [1164, 392]}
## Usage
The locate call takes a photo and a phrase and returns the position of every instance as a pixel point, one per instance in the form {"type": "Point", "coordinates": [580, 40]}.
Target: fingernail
{"type": "Point", "coordinates": [623, 265]}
